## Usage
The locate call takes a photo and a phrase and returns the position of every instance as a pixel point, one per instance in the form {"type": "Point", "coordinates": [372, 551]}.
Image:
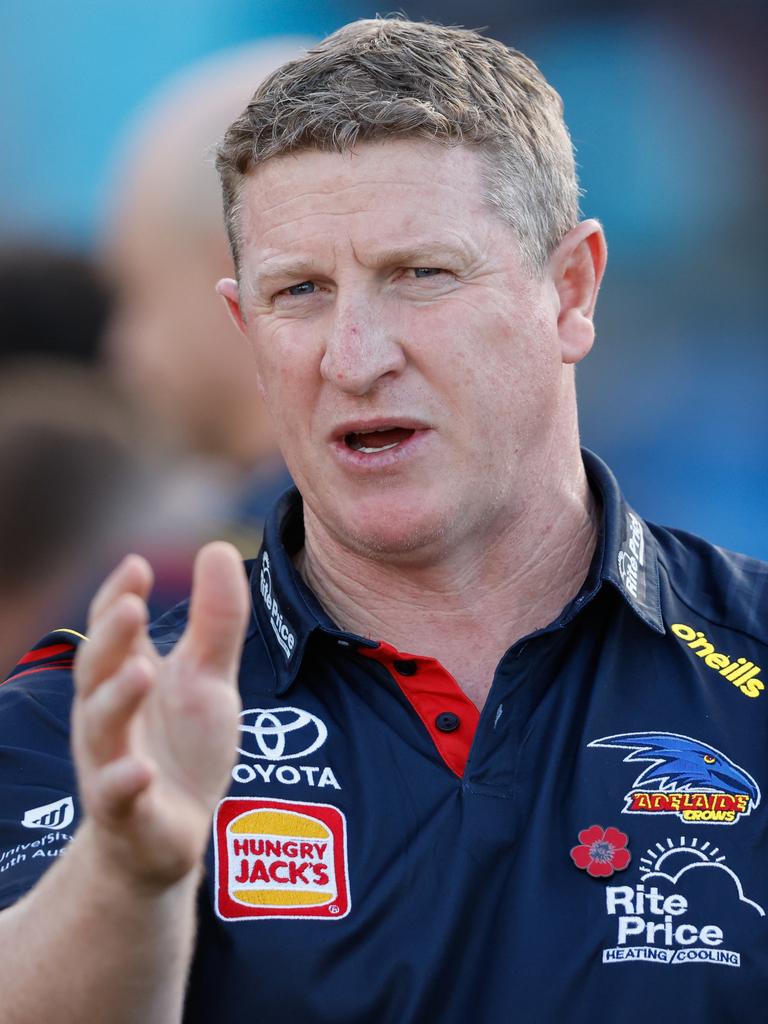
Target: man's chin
{"type": "Point", "coordinates": [395, 536]}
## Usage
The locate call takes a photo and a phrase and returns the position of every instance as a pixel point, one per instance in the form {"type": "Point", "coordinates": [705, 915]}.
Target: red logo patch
{"type": "Point", "coordinates": [276, 858]}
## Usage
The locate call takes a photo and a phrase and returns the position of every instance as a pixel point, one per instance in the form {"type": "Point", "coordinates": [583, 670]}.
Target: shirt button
{"type": "Point", "coordinates": [406, 667]}
{"type": "Point", "coordinates": [447, 721]}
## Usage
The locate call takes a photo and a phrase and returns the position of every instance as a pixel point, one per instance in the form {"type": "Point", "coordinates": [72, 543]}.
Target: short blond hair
{"type": "Point", "coordinates": [380, 78]}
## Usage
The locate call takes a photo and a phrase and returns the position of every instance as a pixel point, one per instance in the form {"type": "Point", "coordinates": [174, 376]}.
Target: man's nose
{"type": "Point", "coordinates": [362, 347]}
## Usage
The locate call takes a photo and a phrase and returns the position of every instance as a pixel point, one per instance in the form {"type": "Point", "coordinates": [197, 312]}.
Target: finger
{"type": "Point", "coordinates": [219, 610]}
{"type": "Point", "coordinates": [106, 716]}
{"type": "Point", "coordinates": [119, 633]}
{"type": "Point", "coordinates": [132, 576]}
{"type": "Point", "coordinates": [118, 785]}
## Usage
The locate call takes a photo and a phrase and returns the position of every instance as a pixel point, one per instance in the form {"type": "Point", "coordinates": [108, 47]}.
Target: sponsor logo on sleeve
{"type": "Point", "coordinates": [666, 916]}
{"type": "Point", "coordinates": [684, 777]}
{"type": "Point", "coordinates": [269, 737]}
{"type": "Point", "coordinates": [283, 632]}
{"type": "Point", "coordinates": [275, 858]}
{"type": "Point", "coordinates": [740, 672]}
{"type": "Point", "coordinates": [52, 844]}
{"type": "Point", "coordinates": [57, 815]}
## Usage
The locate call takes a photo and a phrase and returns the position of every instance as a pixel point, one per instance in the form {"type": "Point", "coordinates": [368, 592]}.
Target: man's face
{"type": "Point", "coordinates": [163, 337]}
{"type": "Point", "coordinates": [168, 344]}
{"type": "Point", "coordinates": [411, 364]}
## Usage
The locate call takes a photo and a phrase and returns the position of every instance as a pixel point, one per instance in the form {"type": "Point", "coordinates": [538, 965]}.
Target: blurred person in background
{"type": "Point", "coordinates": [69, 449]}
{"type": "Point", "coordinates": [55, 306]}
{"type": "Point", "coordinates": [182, 365]}
{"type": "Point", "coordinates": [71, 481]}
{"type": "Point", "coordinates": [54, 303]}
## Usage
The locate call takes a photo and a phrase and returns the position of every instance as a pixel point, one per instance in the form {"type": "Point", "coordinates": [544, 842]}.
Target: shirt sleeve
{"type": "Point", "coordinates": [39, 808]}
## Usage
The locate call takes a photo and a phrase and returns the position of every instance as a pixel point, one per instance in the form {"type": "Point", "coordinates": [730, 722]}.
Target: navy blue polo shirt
{"type": "Point", "coordinates": [591, 846]}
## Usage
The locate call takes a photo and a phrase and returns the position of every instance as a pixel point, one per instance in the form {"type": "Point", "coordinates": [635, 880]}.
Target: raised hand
{"type": "Point", "coordinates": [154, 738]}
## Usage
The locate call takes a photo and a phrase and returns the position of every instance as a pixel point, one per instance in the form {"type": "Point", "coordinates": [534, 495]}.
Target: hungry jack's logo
{"type": "Point", "coordinates": [685, 777]}
{"type": "Point", "coordinates": [276, 858]}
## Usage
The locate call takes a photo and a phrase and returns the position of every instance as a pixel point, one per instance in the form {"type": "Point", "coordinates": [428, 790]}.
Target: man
{"type": "Point", "coordinates": [73, 487]}
{"type": "Point", "coordinates": [501, 744]}
{"type": "Point", "coordinates": [163, 245]}
{"type": "Point", "coordinates": [169, 348]}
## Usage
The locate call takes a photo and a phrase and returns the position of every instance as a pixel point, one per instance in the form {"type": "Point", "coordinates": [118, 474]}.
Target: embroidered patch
{"type": "Point", "coordinates": [740, 672]}
{"type": "Point", "coordinates": [664, 917]}
{"type": "Point", "coordinates": [52, 844]}
{"type": "Point", "coordinates": [631, 558]}
{"type": "Point", "coordinates": [284, 633]}
{"type": "Point", "coordinates": [57, 815]}
{"type": "Point", "coordinates": [275, 858]}
{"type": "Point", "coordinates": [278, 734]}
{"type": "Point", "coordinates": [685, 777]}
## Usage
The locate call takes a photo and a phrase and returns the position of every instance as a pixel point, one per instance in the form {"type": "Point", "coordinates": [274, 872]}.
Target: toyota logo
{"type": "Point", "coordinates": [279, 734]}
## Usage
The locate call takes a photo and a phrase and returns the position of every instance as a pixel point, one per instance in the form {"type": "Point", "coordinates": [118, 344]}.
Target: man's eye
{"type": "Point", "coordinates": [305, 288]}
{"type": "Point", "coordinates": [426, 271]}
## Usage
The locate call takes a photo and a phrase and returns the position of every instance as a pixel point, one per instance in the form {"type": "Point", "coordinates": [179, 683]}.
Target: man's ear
{"type": "Point", "coordinates": [227, 288]}
{"type": "Point", "coordinates": [577, 267]}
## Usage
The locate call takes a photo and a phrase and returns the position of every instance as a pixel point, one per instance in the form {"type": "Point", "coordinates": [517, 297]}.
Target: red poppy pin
{"type": "Point", "coordinates": [602, 851]}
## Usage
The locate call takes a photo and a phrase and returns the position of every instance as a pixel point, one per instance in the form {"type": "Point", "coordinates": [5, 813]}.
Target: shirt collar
{"type": "Point", "coordinates": [627, 554]}
{"type": "Point", "coordinates": [284, 606]}
{"type": "Point", "coordinates": [289, 613]}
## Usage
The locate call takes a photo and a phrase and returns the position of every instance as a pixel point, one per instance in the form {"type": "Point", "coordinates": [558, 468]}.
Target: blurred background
{"type": "Point", "coordinates": [666, 105]}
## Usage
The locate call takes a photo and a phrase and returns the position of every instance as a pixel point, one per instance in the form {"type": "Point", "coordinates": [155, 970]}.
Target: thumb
{"type": "Point", "coordinates": [219, 610]}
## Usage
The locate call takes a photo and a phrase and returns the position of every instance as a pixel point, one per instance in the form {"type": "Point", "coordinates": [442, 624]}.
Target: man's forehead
{"type": "Point", "coordinates": [318, 178]}
{"type": "Point", "coordinates": [425, 189]}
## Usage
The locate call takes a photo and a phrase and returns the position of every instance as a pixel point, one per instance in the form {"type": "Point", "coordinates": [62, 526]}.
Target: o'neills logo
{"type": "Point", "coordinates": [738, 671]}
{"type": "Point", "coordinates": [275, 858]}
{"type": "Point", "coordinates": [285, 635]}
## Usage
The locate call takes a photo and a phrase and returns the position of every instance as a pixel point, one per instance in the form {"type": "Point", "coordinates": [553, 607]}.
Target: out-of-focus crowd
{"type": "Point", "coordinates": [130, 417]}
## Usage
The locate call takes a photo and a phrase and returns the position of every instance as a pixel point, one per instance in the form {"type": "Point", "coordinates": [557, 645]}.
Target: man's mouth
{"type": "Point", "coordinates": [371, 441]}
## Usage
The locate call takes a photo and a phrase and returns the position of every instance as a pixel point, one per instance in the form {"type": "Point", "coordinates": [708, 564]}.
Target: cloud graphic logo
{"type": "Point", "coordinates": [687, 906]}
{"type": "Point", "coordinates": [665, 866]}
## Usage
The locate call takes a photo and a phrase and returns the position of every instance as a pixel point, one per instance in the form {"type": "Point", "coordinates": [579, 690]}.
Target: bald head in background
{"type": "Point", "coordinates": [171, 348]}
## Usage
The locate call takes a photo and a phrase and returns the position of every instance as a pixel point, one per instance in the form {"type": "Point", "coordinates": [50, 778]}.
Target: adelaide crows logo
{"type": "Point", "coordinates": [684, 777]}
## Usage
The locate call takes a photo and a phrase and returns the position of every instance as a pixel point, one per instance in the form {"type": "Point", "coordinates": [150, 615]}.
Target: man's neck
{"type": "Point", "coordinates": [464, 611]}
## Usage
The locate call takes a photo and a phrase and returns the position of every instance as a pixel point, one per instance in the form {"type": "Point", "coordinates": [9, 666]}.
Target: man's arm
{"type": "Point", "coordinates": [89, 945]}
{"type": "Point", "coordinates": [107, 934]}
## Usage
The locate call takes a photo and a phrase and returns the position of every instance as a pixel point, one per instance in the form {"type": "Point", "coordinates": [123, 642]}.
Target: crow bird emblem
{"type": "Point", "coordinates": [681, 764]}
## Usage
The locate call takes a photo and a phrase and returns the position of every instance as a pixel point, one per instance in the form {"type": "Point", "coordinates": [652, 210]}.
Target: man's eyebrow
{"type": "Point", "coordinates": [418, 252]}
{"type": "Point", "coordinates": [283, 267]}
{"type": "Point", "coordinates": [414, 253]}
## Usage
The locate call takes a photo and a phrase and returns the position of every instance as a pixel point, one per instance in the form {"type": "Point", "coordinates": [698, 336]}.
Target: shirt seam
{"type": "Point", "coordinates": [742, 631]}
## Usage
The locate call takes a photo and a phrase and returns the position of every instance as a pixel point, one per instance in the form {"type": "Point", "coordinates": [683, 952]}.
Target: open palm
{"type": "Point", "coordinates": [154, 738]}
